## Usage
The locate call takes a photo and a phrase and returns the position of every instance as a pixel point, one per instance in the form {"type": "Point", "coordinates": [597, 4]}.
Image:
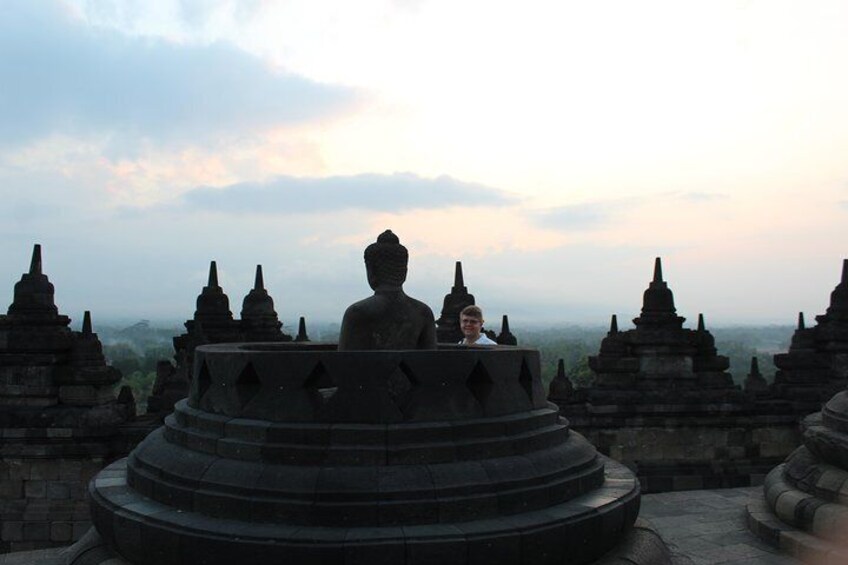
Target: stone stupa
{"type": "Point", "coordinates": [447, 326]}
{"type": "Point", "coordinates": [664, 403]}
{"type": "Point", "coordinates": [401, 455]}
{"type": "Point", "coordinates": [60, 420]}
{"type": "Point", "coordinates": [213, 322]}
{"type": "Point", "coordinates": [804, 507]}
{"type": "Point", "coordinates": [816, 365]}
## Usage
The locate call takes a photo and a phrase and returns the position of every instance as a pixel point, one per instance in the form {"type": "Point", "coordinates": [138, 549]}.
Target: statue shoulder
{"type": "Point", "coordinates": [422, 308]}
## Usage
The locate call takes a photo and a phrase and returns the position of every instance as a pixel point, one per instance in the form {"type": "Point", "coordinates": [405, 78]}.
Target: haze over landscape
{"type": "Point", "coordinates": [554, 148]}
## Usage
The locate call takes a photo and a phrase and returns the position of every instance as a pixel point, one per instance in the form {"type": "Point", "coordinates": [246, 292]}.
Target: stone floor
{"type": "Point", "coordinates": [709, 527]}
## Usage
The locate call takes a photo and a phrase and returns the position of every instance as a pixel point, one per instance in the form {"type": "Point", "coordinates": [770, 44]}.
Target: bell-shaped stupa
{"type": "Point", "coordinates": [386, 450]}
{"type": "Point", "coordinates": [664, 403]}
{"type": "Point", "coordinates": [60, 419]}
{"type": "Point", "coordinates": [816, 365]}
{"type": "Point", "coordinates": [447, 326]}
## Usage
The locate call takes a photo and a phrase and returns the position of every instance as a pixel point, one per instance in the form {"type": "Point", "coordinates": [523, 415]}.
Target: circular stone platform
{"type": "Point", "coordinates": [301, 453]}
{"type": "Point", "coordinates": [805, 506]}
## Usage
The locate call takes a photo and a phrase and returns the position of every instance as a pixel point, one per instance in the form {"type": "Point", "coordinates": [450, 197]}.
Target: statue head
{"type": "Point", "coordinates": [386, 261]}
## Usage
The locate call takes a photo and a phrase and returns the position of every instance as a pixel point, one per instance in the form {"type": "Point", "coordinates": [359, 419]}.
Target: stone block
{"type": "Point", "coordinates": [18, 469]}
{"type": "Point", "coordinates": [12, 509]}
{"type": "Point", "coordinates": [35, 489]}
{"type": "Point", "coordinates": [736, 452]}
{"type": "Point", "coordinates": [79, 528]}
{"type": "Point", "coordinates": [36, 506]}
{"type": "Point", "coordinates": [436, 547]}
{"type": "Point", "coordinates": [57, 490]}
{"type": "Point", "coordinates": [12, 530]}
{"type": "Point", "coordinates": [62, 509]}
{"type": "Point", "coordinates": [11, 489]}
{"type": "Point", "coordinates": [37, 531]}
{"type": "Point", "coordinates": [830, 483]}
{"type": "Point", "coordinates": [688, 482]}
{"type": "Point", "coordinates": [70, 469]}
{"type": "Point", "coordinates": [47, 470]}
{"type": "Point", "coordinates": [786, 505]}
{"type": "Point", "coordinates": [61, 531]}
{"type": "Point", "coordinates": [59, 432]}
{"type": "Point", "coordinates": [378, 546]}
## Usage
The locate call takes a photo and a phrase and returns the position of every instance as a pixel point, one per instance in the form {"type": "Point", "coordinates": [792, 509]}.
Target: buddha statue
{"type": "Point", "coordinates": [389, 319]}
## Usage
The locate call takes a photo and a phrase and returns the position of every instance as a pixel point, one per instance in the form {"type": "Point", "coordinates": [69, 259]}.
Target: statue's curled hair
{"type": "Point", "coordinates": [388, 259]}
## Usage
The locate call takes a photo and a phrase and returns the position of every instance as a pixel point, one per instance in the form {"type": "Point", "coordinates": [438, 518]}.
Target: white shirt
{"type": "Point", "coordinates": [482, 340]}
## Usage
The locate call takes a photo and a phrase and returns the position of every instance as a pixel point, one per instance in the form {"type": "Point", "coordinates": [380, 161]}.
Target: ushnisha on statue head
{"type": "Point", "coordinates": [389, 319]}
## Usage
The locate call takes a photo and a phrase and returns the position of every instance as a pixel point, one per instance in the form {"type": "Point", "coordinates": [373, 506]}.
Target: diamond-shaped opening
{"type": "Point", "coordinates": [321, 381]}
{"type": "Point", "coordinates": [399, 383]}
{"type": "Point", "coordinates": [247, 385]}
{"type": "Point", "coordinates": [479, 383]}
{"type": "Point", "coordinates": [525, 379]}
{"type": "Point", "coordinates": [204, 381]}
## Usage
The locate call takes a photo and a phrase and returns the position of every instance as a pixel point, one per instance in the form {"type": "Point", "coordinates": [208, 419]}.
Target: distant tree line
{"type": "Point", "coordinates": [136, 350]}
{"type": "Point", "coordinates": [574, 345]}
{"type": "Point", "coordinates": [137, 367]}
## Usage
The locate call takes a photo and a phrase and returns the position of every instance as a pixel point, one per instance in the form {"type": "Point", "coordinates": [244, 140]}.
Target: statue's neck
{"type": "Point", "coordinates": [388, 289]}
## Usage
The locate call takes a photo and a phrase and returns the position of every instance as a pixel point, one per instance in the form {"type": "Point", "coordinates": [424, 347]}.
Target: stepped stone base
{"type": "Point", "coordinates": [641, 546]}
{"type": "Point", "coordinates": [147, 529]}
{"type": "Point", "coordinates": [795, 509]}
{"type": "Point", "coordinates": [793, 541]}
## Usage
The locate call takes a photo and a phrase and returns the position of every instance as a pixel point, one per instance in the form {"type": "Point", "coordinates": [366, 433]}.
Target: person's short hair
{"type": "Point", "coordinates": [388, 259]}
{"type": "Point", "coordinates": [472, 311]}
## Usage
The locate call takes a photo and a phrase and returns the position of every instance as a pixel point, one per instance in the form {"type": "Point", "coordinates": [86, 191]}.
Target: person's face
{"type": "Point", "coordinates": [470, 326]}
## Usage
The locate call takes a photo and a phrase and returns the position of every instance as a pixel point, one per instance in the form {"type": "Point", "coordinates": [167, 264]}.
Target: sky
{"type": "Point", "coordinates": [555, 148]}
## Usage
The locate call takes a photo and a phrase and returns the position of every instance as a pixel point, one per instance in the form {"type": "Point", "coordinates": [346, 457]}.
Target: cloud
{"type": "Point", "coordinates": [700, 196]}
{"type": "Point", "coordinates": [595, 215]}
{"type": "Point", "coordinates": [583, 216]}
{"type": "Point", "coordinates": [59, 76]}
{"type": "Point", "coordinates": [374, 192]}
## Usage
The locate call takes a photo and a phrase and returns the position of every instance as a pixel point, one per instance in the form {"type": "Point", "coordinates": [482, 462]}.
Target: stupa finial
{"type": "Point", "coordinates": [658, 302]}
{"type": "Point", "coordinates": [35, 262]}
{"type": "Point", "coordinates": [838, 308]}
{"type": "Point", "coordinates": [801, 324]}
{"type": "Point", "coordinates": [755, 366]}
{"type": "Point", "coordinates": [613, 325]}
{"type": "Point", "coordinates": [458, 281]}
{"type": "Point", "coordinates": [86, 323]}
{"type": "Point", "coordinates": [259, 283]}
{"type": "Point", "coordinates": [560, 387]}
{"type": "Point", "coordinates": [701, 326]}
{"type": "Point", "coordinates": [506, 337]}
{"type": "Point", "coordinates": [301, 330]}
{"type": "Point", "coordinates": [213, 274]}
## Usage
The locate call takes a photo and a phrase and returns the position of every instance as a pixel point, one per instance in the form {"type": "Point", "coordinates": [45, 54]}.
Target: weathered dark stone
{"type": "Point", "coordinates": [448, 330]}
{"type": "Point", "coordinates": [59, 419]}
{"type": "Point", "coordinates": [305, 453]}
{"type": "Point", "coordinates": [506, 337]}
{"type": "Point", "coordinates": [816, 365]}
{"type": "Point", "coordinates": [804, 510]}
{"type": "Point", "coordinates": [755, 383]}
{"type": "Point", "coordinates": [561, 387]}
{"type": "Point", "coordinates": [663, 403]}
{"type": "Point", "coordinates": [301, 331]}
{"type": "Point", "coordinates": [389, 319]}
{"type": "Point", "coordinates": [213, 323]}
